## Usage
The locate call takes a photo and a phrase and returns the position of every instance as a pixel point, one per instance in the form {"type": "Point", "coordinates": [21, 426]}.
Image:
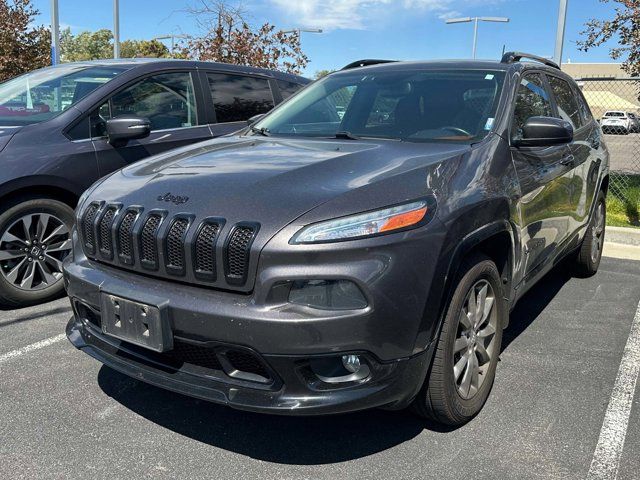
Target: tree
{"type": "Point", "coordinates": [99, 45]}
{"type": "Point", "coordinates": [23, 46]}
{"type": "Point", "coordinates": [322, 73]}
{"type": "Point", "coordinates": [144, 49]}
{"type": "Point", "coordinates": [85, 45]}
{"type": "Point", "coordinates": [229, 38]}
{"type": "Point", "coordinates": [625, 25]}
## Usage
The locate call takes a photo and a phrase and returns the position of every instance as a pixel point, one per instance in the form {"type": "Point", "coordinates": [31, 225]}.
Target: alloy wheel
{"type": "Point", "coordinates": [474, 347]}
{"type": "Point", "coordinates": [32, 250]}
{"type": "Point", "coordinates": [598, 232]}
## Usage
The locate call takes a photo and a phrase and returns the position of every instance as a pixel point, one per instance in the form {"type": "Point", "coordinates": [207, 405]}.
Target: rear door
{"type": "Point", "coordinates": [171, 100]}
{"type": "Point", "coordinates": [544, 175]}
{"type": "Point", "coordinates": [233, 98]}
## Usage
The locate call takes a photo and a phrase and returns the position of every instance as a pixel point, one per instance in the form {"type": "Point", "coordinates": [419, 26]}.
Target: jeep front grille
{"type": "Point", "coordinates": [175, 246]}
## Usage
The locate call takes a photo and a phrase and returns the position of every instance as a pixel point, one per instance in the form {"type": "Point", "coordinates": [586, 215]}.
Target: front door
{"type": "Point", "coordinates": [168, 100]}
{"type": "Point", "coordinates": [545, 175]}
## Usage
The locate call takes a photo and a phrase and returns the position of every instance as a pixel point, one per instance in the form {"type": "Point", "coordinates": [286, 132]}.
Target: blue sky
{"type": "Point", "coordinates": [354, 29]}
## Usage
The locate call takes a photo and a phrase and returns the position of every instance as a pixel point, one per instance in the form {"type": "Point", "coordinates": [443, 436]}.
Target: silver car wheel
{"type": "Point", "coordinates": [598, 232]}
{"type": "Point", "coordinates": [32, 250]}
{"type": "Point", "coordinates": [474, 347]}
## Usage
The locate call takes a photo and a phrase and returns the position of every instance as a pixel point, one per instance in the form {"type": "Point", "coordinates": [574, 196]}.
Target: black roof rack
{"type": "Point", "coordinates": [365, 63]}
{"type": "Point", "coordinates": [511, 57]}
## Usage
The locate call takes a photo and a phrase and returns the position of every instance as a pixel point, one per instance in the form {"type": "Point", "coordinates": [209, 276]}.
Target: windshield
{"type": "Point", "coordinates": [432, 105]}
{"type": "Point", "coordinates": [43, 94]}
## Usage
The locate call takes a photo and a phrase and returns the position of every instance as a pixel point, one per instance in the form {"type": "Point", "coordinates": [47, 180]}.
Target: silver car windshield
{"type": "Point", "coordinates": [412, 105]}
{"type": "Point", "coordinates": [43, 94]}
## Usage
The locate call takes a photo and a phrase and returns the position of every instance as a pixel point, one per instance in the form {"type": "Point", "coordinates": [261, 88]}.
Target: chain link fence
{"type": "Point", "coordinates": [615, 102]}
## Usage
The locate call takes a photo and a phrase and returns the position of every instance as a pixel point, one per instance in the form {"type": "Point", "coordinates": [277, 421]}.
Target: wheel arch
{"type": "Point", "coordinates": [39, 187]}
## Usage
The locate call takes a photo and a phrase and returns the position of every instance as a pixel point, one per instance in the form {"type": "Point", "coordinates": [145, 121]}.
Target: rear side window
{"type": "Point", "coordinates": [532, 100]}
{"type": "Point", "coordinates": [585, 111]}
{"type": "Point", "coordinates": [566, 101]}
{"type": "Point", "coordinates": [288, 88]}
{"type": "Point", "coordinates": [237, 98]}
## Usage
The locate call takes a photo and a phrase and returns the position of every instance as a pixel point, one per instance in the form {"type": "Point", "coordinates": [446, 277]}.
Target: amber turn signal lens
{"type": "Point", "coordinates": [404, 220]}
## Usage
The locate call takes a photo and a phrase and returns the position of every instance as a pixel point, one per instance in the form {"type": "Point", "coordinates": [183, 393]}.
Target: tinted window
{"type": "Point", "coordinates": [566, 101]}
{"type": "Point", "coordinates": [288, 88]}
{"type": "Point", "coordinates": [167, 100]}
{"type": "Point", "coordinates": [585, 111]}
{"type": "Point", "coordinates": [532, 100]}
{"type": "Point", "coordinates": [43, 94]}
{"type": "Point", "coordinates": [237, 98]}
{"type": "Point", "coordinates": [412, 105]}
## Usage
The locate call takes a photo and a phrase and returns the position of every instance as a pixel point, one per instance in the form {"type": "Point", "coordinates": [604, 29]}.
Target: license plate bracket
{"type": "Point", "coordinates": [136, 322]}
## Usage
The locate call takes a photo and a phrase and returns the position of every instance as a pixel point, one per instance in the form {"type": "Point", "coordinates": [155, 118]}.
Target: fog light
{"type": "Point", "coordinates": [327, 294]}
{"type": "Point", "coordinates": [351, 363]}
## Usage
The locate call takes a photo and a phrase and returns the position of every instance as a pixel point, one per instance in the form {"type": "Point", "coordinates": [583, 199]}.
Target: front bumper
{"type": "Point", "coordinates": [291, 391]}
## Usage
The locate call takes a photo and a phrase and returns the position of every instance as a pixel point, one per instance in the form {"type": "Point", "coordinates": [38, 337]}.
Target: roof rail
{"type": "Point", "coordinates": [511, 57]}
{"type": "Point", "coordinates": [365, 63]}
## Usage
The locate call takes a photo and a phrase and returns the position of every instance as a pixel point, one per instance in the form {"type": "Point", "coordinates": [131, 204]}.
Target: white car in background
{"type": "Point", "coordinates": [618, 121]}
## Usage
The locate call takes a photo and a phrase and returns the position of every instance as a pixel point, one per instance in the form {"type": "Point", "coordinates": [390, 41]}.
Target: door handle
{"type": "Point", "coordinates": [568, 160]}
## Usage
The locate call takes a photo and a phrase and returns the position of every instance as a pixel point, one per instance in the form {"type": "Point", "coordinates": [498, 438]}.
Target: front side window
{"type": "Point", "coordinates": [566, 100]}
{"type": "Point", "coordinates": [237, 98]}
{"type": "Point", "coordinates": [41, 95]}
{"type": "Point", "coordinates": [167, 100]}
{"type": "Point", "coordinates": [532, 100]}
{"type": "Point", "coordinates": [413, 105]}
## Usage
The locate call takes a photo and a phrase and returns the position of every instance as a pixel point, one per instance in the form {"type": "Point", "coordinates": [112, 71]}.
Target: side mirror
{"type": "Point", "coordinates": [127, 127]}
{"type": "Point", "coordinates": [545, 132]}
{"type": "Point", "coordinates": [255, 119]}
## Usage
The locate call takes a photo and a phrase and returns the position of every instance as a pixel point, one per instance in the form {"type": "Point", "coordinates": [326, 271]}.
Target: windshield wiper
{"type": "Point", "coordinates": [347, 135]}
{"type": "Point", "coordinates": [261, 131]}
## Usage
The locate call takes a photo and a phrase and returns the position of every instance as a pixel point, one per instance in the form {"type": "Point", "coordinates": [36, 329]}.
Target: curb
{"type": "Point", "coordinates": [623, 235]}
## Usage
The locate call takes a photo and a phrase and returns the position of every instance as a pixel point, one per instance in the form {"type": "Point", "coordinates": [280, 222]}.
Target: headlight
{"type": "Point", "coordinates": [368, 224]}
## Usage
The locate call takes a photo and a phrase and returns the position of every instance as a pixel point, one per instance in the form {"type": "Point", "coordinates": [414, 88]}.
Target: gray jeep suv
{"type": "Point", "coordinates": [360, 246]}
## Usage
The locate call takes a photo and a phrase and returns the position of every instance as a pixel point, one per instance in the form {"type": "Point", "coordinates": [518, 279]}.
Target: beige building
{"type": "Point", "coordinates": [604, 92]}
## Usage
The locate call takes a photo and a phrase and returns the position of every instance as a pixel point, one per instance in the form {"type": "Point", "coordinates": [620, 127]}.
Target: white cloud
{"type": "Point", "coordinates": [357, 14]}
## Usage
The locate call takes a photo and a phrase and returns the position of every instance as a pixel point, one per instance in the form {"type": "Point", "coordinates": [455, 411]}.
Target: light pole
{"type": "Point", "coordinates": [55, 33]}
{"type": "Point", "coordinates": [562, 22]}
{"type": "Point", "coordinates": [116, 28]}
{"type": "Point", "coordinates": [300, 30]}
{"type": "Point", "coordinates": [475, 21]}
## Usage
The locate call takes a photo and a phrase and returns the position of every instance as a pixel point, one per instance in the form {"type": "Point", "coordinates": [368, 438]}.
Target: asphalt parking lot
{"type": "Point", "coordinates": [624, 152]}
{"type": "Point", "coordinates": [63, 415]}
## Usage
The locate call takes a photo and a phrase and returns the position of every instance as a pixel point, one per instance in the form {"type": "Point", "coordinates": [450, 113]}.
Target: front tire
{"type": "Point", "coordinates": [468, 348]}
{"type": "Point", "coordinates": [35, 237]}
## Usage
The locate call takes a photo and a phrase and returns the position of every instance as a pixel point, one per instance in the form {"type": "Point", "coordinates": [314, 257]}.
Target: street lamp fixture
{"type": "Point", "coordinates": [475, 21]}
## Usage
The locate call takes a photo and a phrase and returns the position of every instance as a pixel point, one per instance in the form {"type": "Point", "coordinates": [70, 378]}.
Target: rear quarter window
{"type": "Point", "coordinates": [288, 88]}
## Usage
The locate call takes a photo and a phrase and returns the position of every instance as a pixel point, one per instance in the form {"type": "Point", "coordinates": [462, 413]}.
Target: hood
{"type": "Point", "coordinates": [268, 181]}
{"type": "Point", "coordinates": [5, 135]}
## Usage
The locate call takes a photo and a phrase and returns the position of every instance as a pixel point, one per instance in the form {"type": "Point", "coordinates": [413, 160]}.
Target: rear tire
{"type": "Point", "coordinates": [590, 253]}
{"type": "Point", "coordinates": [35, 237]}
{"type": "Point", "coordinates": [456, 389]}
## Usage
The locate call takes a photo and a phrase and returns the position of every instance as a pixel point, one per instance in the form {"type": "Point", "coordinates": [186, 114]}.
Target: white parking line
{"type": "Point", "coordinates": [30, 348]}
{"type": "Point", "coordinates": [606, 457]}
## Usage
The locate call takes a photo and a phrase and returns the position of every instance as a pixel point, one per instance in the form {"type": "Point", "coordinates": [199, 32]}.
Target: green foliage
{"type": "Point", "coordinates": [322, 73]}
{"type": "Point", "coordinates": [624, 27]}
{"type": "Point", "coordinates": [623, 206]}
{"type": "Point", "coordinates": [23, 46]}
{"type": "Point", "coordinates": [99, 45]}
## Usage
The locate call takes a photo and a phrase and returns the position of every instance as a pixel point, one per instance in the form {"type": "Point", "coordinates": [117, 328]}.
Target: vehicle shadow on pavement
{"type": "Point", "coordinates": [300, 440]}
{"type": "Point", "coordinates": [533, 303]}
{"type": "Point", "coordinates": [278, 439]}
